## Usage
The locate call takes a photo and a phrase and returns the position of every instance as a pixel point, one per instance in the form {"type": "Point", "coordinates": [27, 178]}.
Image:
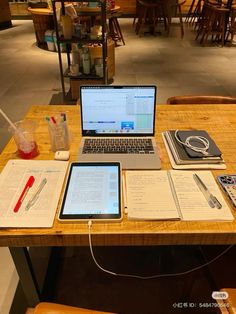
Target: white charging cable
{"type": "Point", "coordinates": [153, 276]}
{"type": "Point", "coordinates": [198, 138]}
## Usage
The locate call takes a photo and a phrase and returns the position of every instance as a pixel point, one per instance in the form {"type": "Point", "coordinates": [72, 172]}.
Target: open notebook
{"type": "Point", "coordinates": [12, 182]}
{"type": "Point", "coordinates": [153, 195]}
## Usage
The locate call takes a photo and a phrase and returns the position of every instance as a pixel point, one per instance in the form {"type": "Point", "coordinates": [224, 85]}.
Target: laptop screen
{"type": "Point", "coordinates": [117, 110]}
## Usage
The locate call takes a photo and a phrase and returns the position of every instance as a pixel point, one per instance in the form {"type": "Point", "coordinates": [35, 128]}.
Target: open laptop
{"type": "Point", "coordinates": [118, 124]}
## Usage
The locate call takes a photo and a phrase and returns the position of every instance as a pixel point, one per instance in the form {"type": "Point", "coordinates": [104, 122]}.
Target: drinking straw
{"type": "Point", "coordinates": [13, 126]}
{"type": "Point", "coordinates": [8, 120]}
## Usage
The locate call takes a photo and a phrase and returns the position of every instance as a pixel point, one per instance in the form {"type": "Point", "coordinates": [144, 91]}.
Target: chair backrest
{"type": "Point", "coordinates": [181, 100]}
{"type": "Point", "coordinates": [53, 308]}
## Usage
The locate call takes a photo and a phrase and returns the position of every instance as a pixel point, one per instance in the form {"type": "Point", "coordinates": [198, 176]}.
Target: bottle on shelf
{"type": "Point", "coordinates": [86, 60]}
{"type": "Point", "coordinates": [75, 54]}
{"type": "Point", "coordinates": [75, 60]}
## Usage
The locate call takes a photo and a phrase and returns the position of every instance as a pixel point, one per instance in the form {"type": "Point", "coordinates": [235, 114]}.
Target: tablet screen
{"type": "Point", "coordinates": [92, 192]}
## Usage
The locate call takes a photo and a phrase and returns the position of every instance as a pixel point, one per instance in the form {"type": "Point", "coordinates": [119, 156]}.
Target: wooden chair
{"type": "Point", "coordinates": [191, 11]}
{"type": "Point", "coordinates": [232, 26]}
{"type": "Point", "coordinates": [228, 306]}
{"type": "Point", "coordinates": [194, 14]}
{"type": "Point", "coordinates": [53, 308]}
{"type": "Point", "coordinates": [181, 100]}
{"type": "Point", "coordinates": [212, 22]}
{"type": "Point", "coordinates": [175, 6]}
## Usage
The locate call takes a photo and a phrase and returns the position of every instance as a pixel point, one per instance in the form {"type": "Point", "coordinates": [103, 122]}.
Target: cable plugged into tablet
{"type": "Point", "coordinates": [152, 276]}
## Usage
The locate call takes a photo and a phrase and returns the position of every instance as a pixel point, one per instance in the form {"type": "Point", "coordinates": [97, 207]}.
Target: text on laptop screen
{"type": "Point", "coordinates": [118, 110]}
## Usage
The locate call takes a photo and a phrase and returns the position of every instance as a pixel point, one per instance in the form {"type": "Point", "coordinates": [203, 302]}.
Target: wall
{"type": "Point", "coordinates": [8, 280]}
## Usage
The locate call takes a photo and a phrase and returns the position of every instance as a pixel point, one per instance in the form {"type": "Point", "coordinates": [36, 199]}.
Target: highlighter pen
{"type": "Point", "coordinates": [53, 120]}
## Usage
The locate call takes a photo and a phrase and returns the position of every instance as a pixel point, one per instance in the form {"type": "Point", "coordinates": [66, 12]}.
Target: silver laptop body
{"type": "Point", "coordinates": [111, 115]}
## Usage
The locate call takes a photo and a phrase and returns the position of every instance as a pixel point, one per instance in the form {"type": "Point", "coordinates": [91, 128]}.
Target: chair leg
{"type": "Point", "coordinates": [190, 11]}
{"type": "Point", "coordinates": [181, 21]}
{"type": "Point", "coordinates": [119, 30]}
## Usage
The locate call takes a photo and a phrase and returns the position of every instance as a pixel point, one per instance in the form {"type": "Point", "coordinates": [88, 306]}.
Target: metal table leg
{"type": "Point", "coordinates": [22, 261]}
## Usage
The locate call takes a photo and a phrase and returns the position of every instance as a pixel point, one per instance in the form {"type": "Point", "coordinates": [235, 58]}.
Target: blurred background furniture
{"type": "Point", "coordinates": [149, 13]}
{"type": "Point", "coordinates": [43, 21]}
{"type": "Point", "coordinates": [113, 25]}
{"type": "Point", "coordinates": [232, 25]}
{"type": "Point", "coordinates": [178, 100]}
{"type": "Point", "coordinates": [175, 6]}
{"type": "Point", "coordinates": [194, 11]}
{"type": "Point", "coordinates": [5, 15]}
{"type": "Point", "coordinates": [228, 306]}
{"type": "Point", "coordinates": [53, 308]}
{"type": "Point", "coordinates": [213, 21]}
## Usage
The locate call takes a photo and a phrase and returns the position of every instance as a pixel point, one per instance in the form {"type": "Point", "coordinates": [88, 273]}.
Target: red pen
{"type": "Point", "coordinates": [54, 120]}
{"type": "Point", "coordinates": [28, 185]}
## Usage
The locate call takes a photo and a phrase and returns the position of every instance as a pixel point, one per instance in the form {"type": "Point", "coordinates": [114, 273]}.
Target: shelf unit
{"type": "Point", "coordinates": [65, 72]}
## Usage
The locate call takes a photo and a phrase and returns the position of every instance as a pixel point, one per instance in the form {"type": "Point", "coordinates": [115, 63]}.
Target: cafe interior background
{"type": "Point", "coordinates": [178, 65]}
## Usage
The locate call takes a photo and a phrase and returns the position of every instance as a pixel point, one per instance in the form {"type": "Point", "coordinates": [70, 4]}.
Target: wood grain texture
{"type": "Point", "coordinates": [218, 120]}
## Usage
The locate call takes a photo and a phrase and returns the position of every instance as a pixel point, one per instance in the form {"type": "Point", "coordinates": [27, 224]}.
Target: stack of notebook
{"type": "Point", "coordinates": [182, 157]}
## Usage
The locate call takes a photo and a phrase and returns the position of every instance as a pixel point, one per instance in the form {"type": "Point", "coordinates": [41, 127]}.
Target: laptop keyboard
{"type": "Point", "coordinates": [118, 146]}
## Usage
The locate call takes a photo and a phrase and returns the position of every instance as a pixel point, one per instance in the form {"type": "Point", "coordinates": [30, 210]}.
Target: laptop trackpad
{"type": "Point", "coordinates": [127, 161]}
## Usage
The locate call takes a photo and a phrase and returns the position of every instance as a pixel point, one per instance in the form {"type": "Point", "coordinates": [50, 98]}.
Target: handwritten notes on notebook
{"type": "Point", "coordinates": [12, 181]}
{"type": "Point", "coordinates": [153, 195]}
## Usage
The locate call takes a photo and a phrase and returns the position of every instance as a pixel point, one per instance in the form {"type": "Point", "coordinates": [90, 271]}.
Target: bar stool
{"type": "Point", "coordinates": [114, 26]}
{"type": "Point", "coordinates": [149, 13]}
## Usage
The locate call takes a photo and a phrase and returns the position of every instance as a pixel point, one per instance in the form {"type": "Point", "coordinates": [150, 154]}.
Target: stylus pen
{"type": "Point", "coordinates": [124, 193]}
{"type": "Point", "coordinates": [34, 198]}
{"type": "Point", "coordinates": [211, 199]}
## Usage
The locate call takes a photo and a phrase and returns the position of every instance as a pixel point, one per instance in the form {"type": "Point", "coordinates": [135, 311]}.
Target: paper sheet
{"type": "Point", "coordinates": [149, 196]}
{"type": "Point", "coordinates": [12, 181]}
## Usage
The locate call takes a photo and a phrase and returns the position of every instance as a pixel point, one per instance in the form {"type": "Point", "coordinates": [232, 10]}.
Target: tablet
{"type": "Point", "coordinates": [92, 192]}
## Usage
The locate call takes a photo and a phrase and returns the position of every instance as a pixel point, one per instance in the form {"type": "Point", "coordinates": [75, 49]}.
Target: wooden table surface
{"type": "Point", "coordinates": [40, 11]}
{"type": "Point", "coordinates": [218, 120]}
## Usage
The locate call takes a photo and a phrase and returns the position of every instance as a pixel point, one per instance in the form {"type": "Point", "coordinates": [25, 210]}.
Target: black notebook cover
{"type": "Point", "coordinates": [213, 150]}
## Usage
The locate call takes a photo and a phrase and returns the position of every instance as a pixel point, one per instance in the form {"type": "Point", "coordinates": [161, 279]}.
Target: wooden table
{"type": "Point", "coordinates": [43, 21]}
{"type": "Point", "coordinates": [218, 120]}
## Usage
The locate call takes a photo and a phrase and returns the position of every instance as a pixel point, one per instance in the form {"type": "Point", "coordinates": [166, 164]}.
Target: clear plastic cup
{"type": "Point", "coordinates": [25, 139]}
{"type": "Point", "coordinates": [59, 136]}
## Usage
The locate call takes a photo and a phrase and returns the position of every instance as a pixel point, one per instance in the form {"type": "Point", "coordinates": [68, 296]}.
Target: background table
{"type": "Point", "coordinates": [43, 21]}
